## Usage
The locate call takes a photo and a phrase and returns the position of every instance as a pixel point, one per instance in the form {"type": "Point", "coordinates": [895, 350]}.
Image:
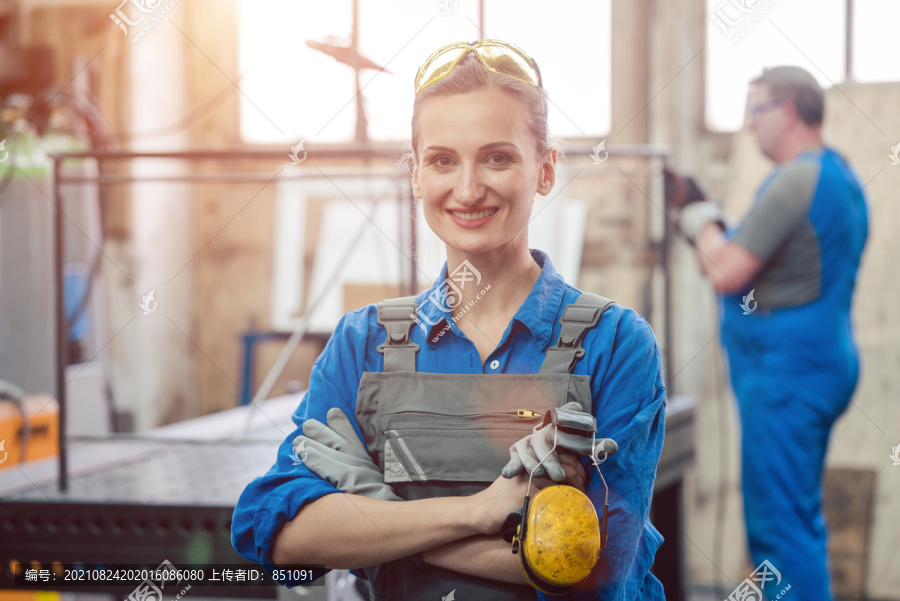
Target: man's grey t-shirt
{"type": "Point", "coordinates": [779, 231]}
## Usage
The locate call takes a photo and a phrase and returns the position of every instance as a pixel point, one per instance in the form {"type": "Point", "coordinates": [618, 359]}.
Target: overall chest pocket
{"type": "Point", "coordinates": [455, 427]}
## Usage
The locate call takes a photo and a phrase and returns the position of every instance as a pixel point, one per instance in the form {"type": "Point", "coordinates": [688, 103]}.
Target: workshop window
{"type": "Point", "coordinates": [745, 36]}
{"type": "Point", "coordinates": [292, 91]}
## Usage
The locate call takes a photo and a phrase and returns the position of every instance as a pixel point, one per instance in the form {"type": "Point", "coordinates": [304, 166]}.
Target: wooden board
{"type": "Point", "coordinates": [848, 495]}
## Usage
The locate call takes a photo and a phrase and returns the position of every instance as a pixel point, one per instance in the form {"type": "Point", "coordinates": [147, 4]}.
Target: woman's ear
{"type": "Point", "coordinates": [548, 174]}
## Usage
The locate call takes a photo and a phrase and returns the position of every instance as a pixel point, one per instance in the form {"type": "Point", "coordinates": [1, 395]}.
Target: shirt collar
{"type": "Point", "coordinates": [538, 313]}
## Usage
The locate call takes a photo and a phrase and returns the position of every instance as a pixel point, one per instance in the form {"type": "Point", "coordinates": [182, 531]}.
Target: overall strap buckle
{"type": "Point", "coordinates": [576, 320]}
{"type": "Point", "coordinates": [398, 315]}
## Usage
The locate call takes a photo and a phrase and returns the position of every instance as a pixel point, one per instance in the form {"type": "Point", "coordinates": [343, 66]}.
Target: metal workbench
{"type": "Point", "coordinates": [168, 495]}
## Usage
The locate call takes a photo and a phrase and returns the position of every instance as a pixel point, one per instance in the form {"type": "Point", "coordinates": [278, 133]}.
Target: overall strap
{"type": "Point", "coordinates": [398, 315]}
{"type": "Point", "coordinates": [576, 320]}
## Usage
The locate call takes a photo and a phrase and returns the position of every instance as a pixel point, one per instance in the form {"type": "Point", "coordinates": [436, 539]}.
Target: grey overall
{"type": "Point", "coordinates": [437, 434]}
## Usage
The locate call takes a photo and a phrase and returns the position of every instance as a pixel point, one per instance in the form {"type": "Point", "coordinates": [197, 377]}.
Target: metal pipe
{"type": "Point", "coordinates": [413, 244]}
{"type": "Point", "coordinates": [848, 46]}
{"type": "Point", "coordinates": [665, 262]}
{"type": "Point", "coordinates": [61, 329]}
{"type": "Point", "coordinates": [215, 178]}
{"type": "Point", "coordinates": [335, 152]}
{"type": "Point", "coordinates": [249, 178]}
{"type": "Point", "coordinates": [342, 151]}
{"type": "Point", "coordinates": [480, 20]}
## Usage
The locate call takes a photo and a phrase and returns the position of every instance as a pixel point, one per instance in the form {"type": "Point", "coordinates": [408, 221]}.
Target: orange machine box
{"type": "Point", "coordinates": [42, 423]}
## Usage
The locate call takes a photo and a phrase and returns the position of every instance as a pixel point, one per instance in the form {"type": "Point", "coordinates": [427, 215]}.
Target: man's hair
{"type": "Point", "coordinates": [798, 86]}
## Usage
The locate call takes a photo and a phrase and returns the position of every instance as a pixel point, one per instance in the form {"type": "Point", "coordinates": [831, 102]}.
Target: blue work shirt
{"type": "Point", "coordinates": [621, 357]}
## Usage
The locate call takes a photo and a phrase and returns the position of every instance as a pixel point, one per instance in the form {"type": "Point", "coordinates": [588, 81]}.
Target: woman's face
{"type": "Point", "coordinates": [477, 169]}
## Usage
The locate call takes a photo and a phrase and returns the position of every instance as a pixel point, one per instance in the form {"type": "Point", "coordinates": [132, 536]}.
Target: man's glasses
{"type": "Point", "coordinates": [498, 56]}
{"type": "Point", "coordinates": [759, 109]}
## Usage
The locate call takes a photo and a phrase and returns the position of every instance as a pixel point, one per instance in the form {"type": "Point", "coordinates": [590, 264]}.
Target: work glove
{"type": "Point", "coordinates": [697, 215]}
{"type": "Point", "coordinates": [336, 454]}
{"type": "Point", "coordinates": [680, 190]}
{"type": "Point", "coordinates": [574, 430]}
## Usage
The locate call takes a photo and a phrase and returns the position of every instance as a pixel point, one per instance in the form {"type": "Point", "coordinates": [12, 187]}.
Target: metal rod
{"type": "Point", "coordinates": [362, 126]}
{"type": "Point", "coordinates": [848, 56]}
{"type": "Point", "coordinates": [250, 178]}
{"type": "Point", "coordinates": [333, 152]}
{"type": "Point", "coordinates": [665, 260]}
{"type": "Point", "coordinates": [61, 329]}
{"type": "Point", "coordinates": [215, 178]}
{"type": "Point", "coordinates": [480, 20]}
{"type": "Point", "coordinates": [413, 244]}
{"type": "Point", "coordinates": [342, 151]}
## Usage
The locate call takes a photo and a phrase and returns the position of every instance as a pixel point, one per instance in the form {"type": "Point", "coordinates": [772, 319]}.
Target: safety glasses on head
{"type": "Point", "coordinates": [498, 56]}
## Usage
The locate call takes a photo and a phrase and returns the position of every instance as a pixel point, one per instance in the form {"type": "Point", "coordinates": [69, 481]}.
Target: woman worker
{"type": "Point", "coordinates": [416, 405]}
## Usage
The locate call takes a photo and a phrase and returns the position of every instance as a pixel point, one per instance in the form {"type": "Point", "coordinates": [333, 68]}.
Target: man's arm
{"type": "Point", "coordinates": [729, 266]}
{"type": "Point", "coordinates": [778, 214]}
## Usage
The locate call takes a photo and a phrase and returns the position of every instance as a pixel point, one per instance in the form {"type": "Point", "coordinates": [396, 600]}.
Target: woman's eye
{"type": "Point", "coordinates": [498, 158]}
{"type": "Point", "coordinates": [441, 161]}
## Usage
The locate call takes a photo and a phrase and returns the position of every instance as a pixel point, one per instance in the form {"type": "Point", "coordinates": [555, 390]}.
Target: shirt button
{"type": "Point", "coordinates": [397, 468]}
{"type": "Point", "coordinates": [495, 364]}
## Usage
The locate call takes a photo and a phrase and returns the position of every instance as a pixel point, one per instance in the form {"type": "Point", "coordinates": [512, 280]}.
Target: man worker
{"type": "Point", "coordinates": [785, 275]}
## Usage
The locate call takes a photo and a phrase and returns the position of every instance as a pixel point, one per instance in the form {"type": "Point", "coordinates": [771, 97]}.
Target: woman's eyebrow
{"type": "Point", "coordinates": [493, 144]}
{"type": "Point", "coordinates": [483, 147]}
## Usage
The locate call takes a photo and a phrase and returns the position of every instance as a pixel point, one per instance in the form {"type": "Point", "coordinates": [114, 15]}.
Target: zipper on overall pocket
{"type": "Point", "coordinates": [523, 413]}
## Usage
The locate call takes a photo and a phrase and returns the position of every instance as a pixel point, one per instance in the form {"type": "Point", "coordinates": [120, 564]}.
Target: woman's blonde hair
{"type": "Point", "coordinates": [469, 75]}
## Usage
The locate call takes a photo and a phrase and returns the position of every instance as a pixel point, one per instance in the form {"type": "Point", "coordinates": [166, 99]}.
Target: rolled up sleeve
{"type": "Point", "coordinates": [274, 498]}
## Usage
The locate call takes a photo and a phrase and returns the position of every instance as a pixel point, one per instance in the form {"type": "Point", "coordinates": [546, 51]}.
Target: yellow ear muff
{"type": "Point", "coordinates": [559, 539]}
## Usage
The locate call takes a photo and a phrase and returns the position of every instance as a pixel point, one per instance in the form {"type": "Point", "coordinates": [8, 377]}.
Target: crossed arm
{"type": "Point", "coordinates": [456, 533]}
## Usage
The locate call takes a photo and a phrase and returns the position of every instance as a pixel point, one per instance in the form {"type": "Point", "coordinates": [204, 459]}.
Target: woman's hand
{"type": "Point", "coordinates": [570, 427]}
{"type": "Point", "coordinates": [576, 474]}
{"type": "Point", "coordinates": [335, 453]}
{"type": "Point", "coordinates": [505, 495]}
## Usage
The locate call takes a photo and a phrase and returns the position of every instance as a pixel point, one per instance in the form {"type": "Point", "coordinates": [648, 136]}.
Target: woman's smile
{"type": "Point", "coordinates": [472, 217]}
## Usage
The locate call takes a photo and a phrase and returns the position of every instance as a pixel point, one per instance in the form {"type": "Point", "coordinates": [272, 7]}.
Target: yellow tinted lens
{"type": "Point", "coordinates": [509, 61]}
{"type": "Point", "coordinates": [496, 55]}
{"type": "Point", "coordinates": [439, 64]}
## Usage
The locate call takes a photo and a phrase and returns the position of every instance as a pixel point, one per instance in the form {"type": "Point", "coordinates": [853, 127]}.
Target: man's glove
{"type": "Point", "coordinates": [574, 429]}
{"type": "Point", "coordinates": [680, 190]}
{"type": "Point", "coordinates": [335, 453]}
{"type": "Point", "coordinates": [697, 215]}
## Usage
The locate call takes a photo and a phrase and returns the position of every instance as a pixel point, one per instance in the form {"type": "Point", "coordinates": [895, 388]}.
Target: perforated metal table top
{"type": "Point", "coordinates": [156, 472]}
{"type": "Point", "coordinates": [193, 463]}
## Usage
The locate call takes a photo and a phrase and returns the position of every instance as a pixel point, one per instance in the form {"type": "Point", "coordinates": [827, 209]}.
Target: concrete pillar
{"type": "Point", "coordinates": [154, 356]}
{"type": "Point", "coordinates": [630, 72]}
